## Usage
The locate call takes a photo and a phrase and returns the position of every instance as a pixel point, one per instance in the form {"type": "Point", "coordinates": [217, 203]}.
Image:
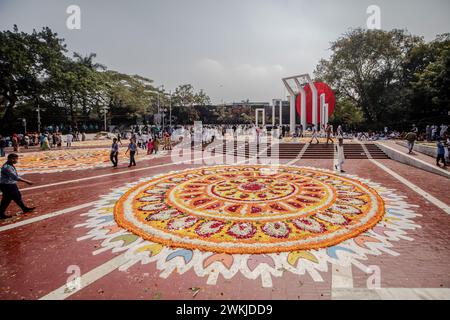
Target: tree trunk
{"type": "Point", "coordinates": [7, 117]}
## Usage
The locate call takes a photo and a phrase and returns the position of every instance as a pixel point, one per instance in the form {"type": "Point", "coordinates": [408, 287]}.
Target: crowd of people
{"type": "Point", "coordinates": [151, 139]}
{"type": "Point", "coordinates": [45, 140]}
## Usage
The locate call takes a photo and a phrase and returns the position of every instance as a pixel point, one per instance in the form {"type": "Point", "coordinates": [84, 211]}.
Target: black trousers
{"type": "Point", "coordinates": [10, 193]}
{"type": "Point", "coordinates": [439, 158]}
{"type": "Point", "coordinates": [114, 157]}
{"type": "Point", "coordinates": [132, 161]}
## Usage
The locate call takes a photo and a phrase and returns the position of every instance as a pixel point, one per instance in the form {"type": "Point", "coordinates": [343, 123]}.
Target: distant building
{"type": "Point", "coordinates": [239, 107]}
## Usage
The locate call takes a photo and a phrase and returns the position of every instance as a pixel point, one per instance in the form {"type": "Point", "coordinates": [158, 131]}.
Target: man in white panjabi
{"type": "Point", "coordinates": [314, 134]}
{"type": "Point", "coordinates": [69, 139]}
{"type": "Point", "coordinates": [340, 155]}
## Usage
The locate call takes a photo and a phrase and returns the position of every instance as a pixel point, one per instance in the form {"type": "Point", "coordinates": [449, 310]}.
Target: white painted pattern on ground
{"type": "Point", "coordinates": [95, 274]}
{"type": "Point", "coordinates": [87, 279]}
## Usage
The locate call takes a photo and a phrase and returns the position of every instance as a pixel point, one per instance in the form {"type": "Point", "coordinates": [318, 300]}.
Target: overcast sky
{"type": "Point", "coordinates": [233, 49]}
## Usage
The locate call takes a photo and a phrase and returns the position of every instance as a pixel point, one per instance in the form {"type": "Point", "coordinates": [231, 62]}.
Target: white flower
{"type": "Point", "coordinates": [276, 229]}
{"type": "Point", "coordinates": [181, 223]}
{"type": "Point", "coordinates": [163, 215]}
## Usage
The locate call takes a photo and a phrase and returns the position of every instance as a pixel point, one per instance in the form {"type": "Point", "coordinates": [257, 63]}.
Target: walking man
{"type": "Point", "coordinates": [340, 155]}
{"type": "Point", "coordinates": [314, 134]}
{"type": "Point", "coordinates": [132, 148]}
{"type": "Point", "coordinates": [8, 186]}
{"type": "Point", "coordinates": [114, 155]}
{"type": "Point", "coordinates": [411, 138]}
{"type": "Point", "coordinates": [329, 131]}
{"type": "Point", "coordinates": [440, 152]}
{"type": "Point", "coordinates": [340, 132]}
{"type": "Point", "coordinates": [69, 139]}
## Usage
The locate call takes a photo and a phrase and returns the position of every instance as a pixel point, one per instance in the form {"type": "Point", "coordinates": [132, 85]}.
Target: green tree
{"type": "Point", "coordinates": [26, 63]}
{"type": "Point", "coordinates": [366, 67]}
{"type": "Point", "coordinates": [430, 84]}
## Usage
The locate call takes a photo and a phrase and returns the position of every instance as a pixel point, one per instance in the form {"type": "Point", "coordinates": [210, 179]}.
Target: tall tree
{"type": "Point", "coordinates": [366, 67]}
{"type": "Point", "coordinates": [26, 61]}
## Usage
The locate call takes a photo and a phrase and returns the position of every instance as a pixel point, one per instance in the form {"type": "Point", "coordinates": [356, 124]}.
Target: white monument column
{"type": "Point", "coordinates": [281, 111]}
{"type": "Point", "coordinates": [314, 103]}
{"type": "Point", "coordinates": [300, 81]}
{"type": "Point", "coordinates": [273, 113]}
{"type": "Point", "coordinates": [302, 93]}
{"type": "Point", "coordinates": [292, 114]}
{"type": "Point", "coordinates": [263, 116]}
{"type": "Point", "coordinates": [322, 109]}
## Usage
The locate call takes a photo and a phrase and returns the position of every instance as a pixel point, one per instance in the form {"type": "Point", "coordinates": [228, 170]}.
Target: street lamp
{"type": "Point", "coordinates": [105, 111]}
{"type": "Point", "coordinates": [163, 115]}
{"type": "Point", "coordinates": [40, 81]}
{"type": "Point", "coordinates": [158, 93]}
{"type": "Point", "coordinates": [170, 110]}
{"type": "Point", "coordinates": [24, 123]}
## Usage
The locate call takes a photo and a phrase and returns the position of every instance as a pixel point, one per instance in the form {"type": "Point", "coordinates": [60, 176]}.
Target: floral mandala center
{"type": "Point", "coordinates": [252, 186]}
{"type": "Point", "coordinates": [242, 209]}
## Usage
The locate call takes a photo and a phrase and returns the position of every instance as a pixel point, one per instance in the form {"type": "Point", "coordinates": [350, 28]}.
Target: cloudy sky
{"type": "Point", "coordinates": [233, 49]}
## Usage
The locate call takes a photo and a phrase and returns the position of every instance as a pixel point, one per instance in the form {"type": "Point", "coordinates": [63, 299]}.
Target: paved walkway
{"type": "Point", "coordinates": [414, 154]}
{"type": "Point", "coordinates": [41, 252]}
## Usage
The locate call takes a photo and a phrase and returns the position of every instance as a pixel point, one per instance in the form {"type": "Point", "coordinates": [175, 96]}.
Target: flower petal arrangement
{"type": "Point", "coordinates": [244, 209]}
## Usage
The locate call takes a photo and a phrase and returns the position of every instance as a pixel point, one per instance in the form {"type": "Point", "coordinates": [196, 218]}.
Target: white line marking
{"type": "Point", "coordinates": [366, 151]}
{"type": "Point", "coordinates": [87, 279]}
{"type": "Point", "coordinates": [438, 203]}
{"type": "Point", "coordinates": [391, 294]}
{"type": "Point", "coordinates": [45, 216]}
{"type": "Point", "coordinates": [302, 152]}
{"type": "Point", "coordinates": [341, 276]}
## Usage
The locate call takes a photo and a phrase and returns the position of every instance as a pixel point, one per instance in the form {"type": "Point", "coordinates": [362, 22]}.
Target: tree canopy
{"type": "Point", "coordinates": [36, 71]}
{"type": "Point", "coordinates": [381, 78]}
{"type": "Point", "coordinates": [388, 78]}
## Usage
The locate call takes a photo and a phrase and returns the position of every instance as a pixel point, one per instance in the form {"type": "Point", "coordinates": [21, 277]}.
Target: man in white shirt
{"type": "Point", "coordinates": [314, 134]}
{"type": "Point", "coordinates": [69, 139]}
{"type": "Point", "coordinates": [340, 155]}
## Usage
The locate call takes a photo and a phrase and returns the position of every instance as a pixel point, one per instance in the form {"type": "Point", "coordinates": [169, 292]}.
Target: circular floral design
{"type": "Point", "coordinates": [398, 221]}
{"type": "Point", "coordinates": [245, 209]}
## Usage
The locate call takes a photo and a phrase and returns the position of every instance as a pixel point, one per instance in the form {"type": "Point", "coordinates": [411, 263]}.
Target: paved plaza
{"type": "Point", "coordinates": [206, 229]}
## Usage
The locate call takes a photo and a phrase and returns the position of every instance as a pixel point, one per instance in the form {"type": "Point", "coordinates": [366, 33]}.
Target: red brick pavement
{"type": "Point", "coordinates": [34, 258]}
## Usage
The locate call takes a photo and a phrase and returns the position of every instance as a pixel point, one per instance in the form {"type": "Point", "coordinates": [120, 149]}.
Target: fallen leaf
{"type": "Point", "coordinates": [157, 296]}
{"type": "Point", "coordinates": [195, 291]}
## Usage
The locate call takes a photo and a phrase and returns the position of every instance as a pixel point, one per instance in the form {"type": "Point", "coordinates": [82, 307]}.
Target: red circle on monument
{"type": "Point", "coordinates": [322, 88]}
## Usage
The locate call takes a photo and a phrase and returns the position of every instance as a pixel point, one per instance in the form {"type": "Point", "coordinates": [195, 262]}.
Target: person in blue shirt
{"type": "Point", "coordinates": [440, 152]}
{"type": "Point", "coordinates": [132, 148]}
{"type": "Point", "coordinates": [8, 186]}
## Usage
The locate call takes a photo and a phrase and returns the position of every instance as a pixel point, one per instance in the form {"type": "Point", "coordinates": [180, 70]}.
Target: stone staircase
{"type": "Point", "coordinates": [293, 151]}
